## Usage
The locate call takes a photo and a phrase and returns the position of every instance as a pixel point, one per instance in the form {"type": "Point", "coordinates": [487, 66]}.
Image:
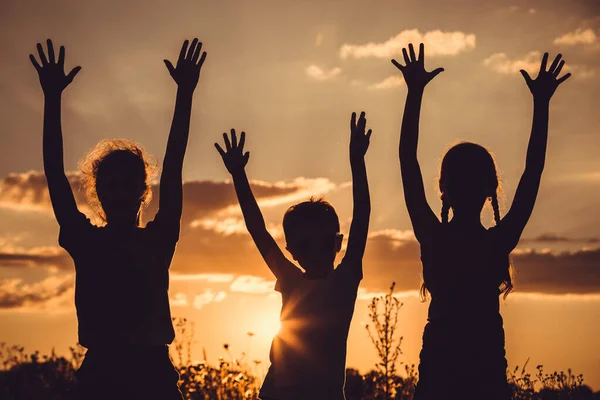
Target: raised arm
{"type": "Point", "coordinates": [542, 88]}
{"type": "Point", "coordinates": [53, 81]}
{"type": "Point", "coordinates": [186, 74]}
{"type": "Point", "coordinates": [423, 219]}
{"type": "Point", "coordinates": [235, 160]}
{"type": "Point", "coordinates": [359, 228]}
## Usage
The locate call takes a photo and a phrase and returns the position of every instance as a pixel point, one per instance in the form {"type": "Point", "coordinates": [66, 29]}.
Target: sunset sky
{"type": "Point", "coordinates": [290, 73]}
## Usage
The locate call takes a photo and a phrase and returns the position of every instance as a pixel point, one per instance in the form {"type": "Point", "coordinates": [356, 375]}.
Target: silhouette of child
{"type": "Point", "coordinates": [122, 269]}
{"type": "Point", "coordinates": [308, 354]}
{"type": "Point", "coordinates": [466, 266]}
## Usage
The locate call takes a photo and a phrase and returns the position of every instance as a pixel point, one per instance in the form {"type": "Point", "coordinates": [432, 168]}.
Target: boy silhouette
{"type": "Point", "coordinates": [308, 354]}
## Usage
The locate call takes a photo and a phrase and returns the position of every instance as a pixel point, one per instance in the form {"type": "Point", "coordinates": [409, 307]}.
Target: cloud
{"type": "Point", "coordinates": [319, 74]}
{"type": "Point", "coordinates": [29, 191]}
{"type": "Point", "coordinates": [252, 284]}
{"type": "Point", "coordinates": [364, 294]}
{"type": "Point", "coordinates": [318, 39]}
{"type": "Point", "coordinates": [394, 256]}
{"type": "Point", "coordinates": [581, 71]}
{"type": "Point", "coordinates": [215, 248]}
{"type": "Point", "coordinates": [568, 272]}
{"type": "Point", "coordinates": [208, 296]}
{"type": "Point", "coordinates": [586, 177]}
{"type": "Point", "coordinates": [51, 291]}
{"type": "Point", "coordinates": [502, 64]}
{"type": "Point", "coordinates": [50, 257]}
{"type": "Point", "coordinates": [553, 238]}
{"type": "Point", "coordinates": [227, 226]}
{"type": "Point", "coordinates": [437, 43]}
{"type": "Point", "coordinates": [579, 36]}
{"type": "Point", "coordinates": [394, 234]}
{"type": "Point", "coordinates": [390, 82]}
{"type": "Point", "coordinates": [209, 278]}
{"type": "Point", "coordinates": [179, 300]}
{"type": "Point", "coordinates": [515, 8]}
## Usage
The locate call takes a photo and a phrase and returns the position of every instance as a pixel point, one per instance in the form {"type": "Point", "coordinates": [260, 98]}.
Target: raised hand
{"type": "Point", "coordinates": [359, 141]}
{"type": "Point", "coordinates": [52, 72]}
{"type": "Point", "coordinates": [234, 157]}
{"type": "Point", "coordinates": [545, 84]}
{"type": "Point", "coordinates": [414, 72]}
{"type": "Point", "coordinates": [187, 71]}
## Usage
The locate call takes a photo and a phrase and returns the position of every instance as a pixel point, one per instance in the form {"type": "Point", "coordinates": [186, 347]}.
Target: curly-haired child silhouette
{"type": "Point", "coordinates": [466, 266]}
{"type": "Point", "coordinates": [308, 354]}
{"type": "Point", "coordinates": [122, 269]}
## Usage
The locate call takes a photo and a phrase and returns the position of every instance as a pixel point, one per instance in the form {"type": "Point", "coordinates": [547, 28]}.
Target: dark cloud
{"type": "Point", "coordinates": [29, 189]}
{"type": "Point", "coordinates": [214, 240]}
{"type": "Point", "coordinates": [568, 272]}
{"type": "Point", "coordinates": [553, 238]}
{"type": "Point", "coordinates": [205, 251]}
{"type": "Point", "coordinates": [388, 259]}
{"type": "Point", "coordinates": [52, 257]}
{"type": "Point", "coordinates": [201, 198]}
{"type": "Point", "coordinates": [14, 293]}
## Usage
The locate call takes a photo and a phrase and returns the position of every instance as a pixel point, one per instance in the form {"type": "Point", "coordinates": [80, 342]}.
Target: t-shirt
{"type": "Point", "coordinates": [121, 281]}
{"type": "Point", "coordinates": [308, 354]}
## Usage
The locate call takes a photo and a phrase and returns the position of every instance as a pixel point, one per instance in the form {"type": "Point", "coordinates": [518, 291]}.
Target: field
{"type": "Point", "coordinates": [25, 376]}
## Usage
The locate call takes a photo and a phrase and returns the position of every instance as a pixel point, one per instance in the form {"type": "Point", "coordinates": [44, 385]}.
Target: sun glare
{"type": "Point", "coordinates": [267, 326]}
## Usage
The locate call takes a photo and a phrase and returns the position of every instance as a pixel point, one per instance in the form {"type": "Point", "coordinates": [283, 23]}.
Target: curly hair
{"type": "Point", "coordinates": [111, 155]}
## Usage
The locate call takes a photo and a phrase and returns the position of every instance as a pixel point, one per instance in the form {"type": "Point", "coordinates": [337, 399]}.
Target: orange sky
{"type": "Point", "coordinates": [289, 74]}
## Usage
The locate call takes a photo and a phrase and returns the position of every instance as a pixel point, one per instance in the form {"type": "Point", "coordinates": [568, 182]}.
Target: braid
{"type": "Point", "coordinates": [496, 208]}
{"type": "Point", "coordinates": [507, 283]}
{"type": "Point", "coordinates": [445, 210]}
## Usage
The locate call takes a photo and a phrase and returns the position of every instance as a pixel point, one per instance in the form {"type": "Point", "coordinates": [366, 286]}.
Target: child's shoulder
{"type": "Point", "coordinates": [348, 271]}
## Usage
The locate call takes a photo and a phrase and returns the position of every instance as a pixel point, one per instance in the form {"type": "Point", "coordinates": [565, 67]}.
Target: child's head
{"type": "Point", "coordinates": [312, 233]}
{"type": "Point", "coordinates": [468, 178]}
{"type": "Point", "coordinates": [115, 176]}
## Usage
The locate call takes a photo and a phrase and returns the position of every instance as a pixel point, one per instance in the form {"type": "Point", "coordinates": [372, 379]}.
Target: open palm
{"type": "Point", "coordinates": [545, 84]}
{"type": "Point", "coordinates": [187, 71]}
{"type": "Point", "coordinates": [414, 72]}
{"type": "Point", "coordinates": [52, 71]}
{"type": "Point", "coordinates": [359, 140]}
{"type": "Point", "coordinates": [233, 156]}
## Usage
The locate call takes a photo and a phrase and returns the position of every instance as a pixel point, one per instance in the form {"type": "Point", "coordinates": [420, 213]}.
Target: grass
{"type": "Point", "coordinates": [25, 376]}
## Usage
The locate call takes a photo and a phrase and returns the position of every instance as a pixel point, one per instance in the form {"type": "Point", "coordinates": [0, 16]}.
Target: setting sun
{"type": "Point", "coordinates": [293, 94]}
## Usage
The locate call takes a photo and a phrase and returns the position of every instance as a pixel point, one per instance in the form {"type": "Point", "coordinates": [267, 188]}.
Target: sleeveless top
{"type": "Point", "coordinates": [463, 340]}
{"type": "Point", "coordinates": [463, 275]}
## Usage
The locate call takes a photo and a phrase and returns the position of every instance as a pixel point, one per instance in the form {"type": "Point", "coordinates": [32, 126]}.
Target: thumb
{"type": "Point", "coordinates": [435, 72]}
{"type": "Point", "coordinates": [170, 67]}
{"type": "Point", "coordinates": [526, 76]}
{"type": "Point", "coordinates": [72, 74]}
{"type": "Point", "coordinates": [398, 65]}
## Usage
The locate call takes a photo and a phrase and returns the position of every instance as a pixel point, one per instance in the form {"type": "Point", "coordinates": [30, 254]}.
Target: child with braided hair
{"type": "Point", "coordinates": [466, 267]}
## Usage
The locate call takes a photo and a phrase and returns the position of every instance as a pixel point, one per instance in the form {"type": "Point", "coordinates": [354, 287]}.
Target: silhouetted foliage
{"type": "Point", "coordinates": [25, 376]}
{"type": "Point", "coordinates": [383, 312]}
